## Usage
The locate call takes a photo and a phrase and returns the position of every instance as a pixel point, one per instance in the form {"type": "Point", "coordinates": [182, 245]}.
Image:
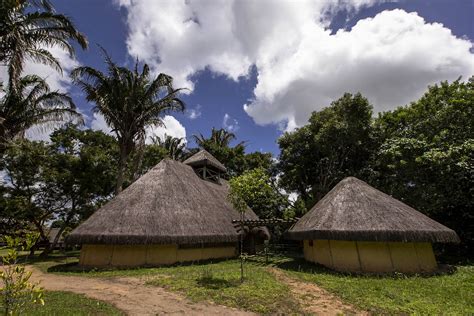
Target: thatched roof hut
{"type": "Point", "coordinates": [355, 212]}
{"type": "Point", "coordinates": [172, 206]}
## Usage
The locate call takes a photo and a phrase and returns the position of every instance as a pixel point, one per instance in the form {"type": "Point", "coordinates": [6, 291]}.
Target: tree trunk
{"type": "Point", "coordinates": [51, 246]}
{"type": "Point", "coordinates": [121, 170]}
{"type": "Point", "coordinates": [137, 164]}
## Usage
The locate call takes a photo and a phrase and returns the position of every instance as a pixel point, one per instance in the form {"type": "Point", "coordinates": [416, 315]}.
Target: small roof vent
{"type": "Point", "coordinates": [206, 165]}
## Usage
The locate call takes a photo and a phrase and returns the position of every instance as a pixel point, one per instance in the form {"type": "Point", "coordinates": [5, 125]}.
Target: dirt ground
{"type": "Point", "coordinates": [130, 295]}
{"type": "Point", "coordinates": [315, 300]}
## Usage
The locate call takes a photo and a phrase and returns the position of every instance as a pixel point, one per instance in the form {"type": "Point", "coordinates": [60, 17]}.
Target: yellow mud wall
{"type": "Point", "coordinates": [376, 257]}
{"type": "Point", "coordinates": [96, 255]}
{"type": "Point", "coordinates": [426, 258]}
{"type": "Point", "coordinates": [404, 257]}
{"type": "Point", "coordinates": [308, 250]}
{"type": "Point", "coordinates": [344, 255]}
{"type": "Point", "coordinates": [322, 252]}
{"type": "Point", "coordinates": [140, 255]}
{"type": "Point", "coordinates": [129, 255]}
{"type": "Point", "coordinates": [161, 254]}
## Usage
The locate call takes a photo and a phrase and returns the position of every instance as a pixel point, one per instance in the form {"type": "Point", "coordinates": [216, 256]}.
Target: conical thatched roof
{"type": "Point", "coordinates": [353, 210]}
{"type": "Point", "coordinates": [170, 204]}
{"type": "Point", "coordinates": [204, 158]}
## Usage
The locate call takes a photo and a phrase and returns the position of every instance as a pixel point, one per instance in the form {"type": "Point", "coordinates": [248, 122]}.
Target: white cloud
{"type": "Point", "coordinates": [230, 124]}
{"type": "Point", "coordinates": [194, 113]}
{"type": "Point", "coordinates": [171, 127]}
{"type": "Point", "coordinates": [98, 123]}
{"type": "Point", "coordinates": [301, 66]}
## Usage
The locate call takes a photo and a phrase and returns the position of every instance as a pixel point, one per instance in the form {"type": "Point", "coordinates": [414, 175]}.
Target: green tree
{"type": "Point", "coordinates": [336, 143]}
{"type": "Point", "coordinates": [33, 103]}
{"type": "Point", "coordinates": [77, 157]}
{"type": "Point", "coordinates": [426, 156]}
{"type": "Point", "coordinates": [23, 196]}
{"type": "Point", "coordinates": [219, 145]}
{"type": "Point", "coordinates": [27, 29]}
{"type": "Point", "coordinates": [258, 191]}
{"type": "Point", "coordinates": [52, 182]}
{"type": "Point", "coordinates": [130, 101]}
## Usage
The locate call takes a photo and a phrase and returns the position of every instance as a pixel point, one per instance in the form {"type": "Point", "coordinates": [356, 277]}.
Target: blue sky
{"type": "Point", "coordinates": [282, 65]}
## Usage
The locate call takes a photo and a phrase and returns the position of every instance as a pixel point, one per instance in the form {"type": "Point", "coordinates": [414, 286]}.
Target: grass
{"type": "Point", "coordinates": [66, 303]}
{"type": "Point", "coordinates": [446, 294]}
{"type": "Point", "coordinates": [220, 282]}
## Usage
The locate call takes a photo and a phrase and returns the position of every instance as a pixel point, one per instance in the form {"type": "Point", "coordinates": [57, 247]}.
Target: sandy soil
{"type": "Point", "coordinates": [131, 295]}
{"type": "Point", "coordinates": [315, 300]}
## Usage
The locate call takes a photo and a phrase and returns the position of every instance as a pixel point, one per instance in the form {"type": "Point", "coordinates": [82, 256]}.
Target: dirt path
{"type": "Point", "coordinates": [131, 295]}
{"type": "Point", "coordinates": [315, 300]}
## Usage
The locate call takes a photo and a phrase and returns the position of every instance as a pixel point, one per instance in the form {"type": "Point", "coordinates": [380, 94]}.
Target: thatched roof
{"type": "Point", "coordinates": [204, 158]}
{"type": "Point", "coordinates": [353, 210]}
{"type": "Point", "coordinates": [169, 204]}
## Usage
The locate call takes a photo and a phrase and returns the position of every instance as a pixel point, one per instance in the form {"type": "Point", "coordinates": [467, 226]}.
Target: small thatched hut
{"type": "Point", "coordinates": [358, 228]}
{"type": "Point", "coordinates": [176, 212]}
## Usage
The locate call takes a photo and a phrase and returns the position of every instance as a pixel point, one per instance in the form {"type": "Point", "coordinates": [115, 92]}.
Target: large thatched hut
{"type": "Point", "coordinates": [176, 212]}
{"type": "Point", "coordinates": [358, 228]}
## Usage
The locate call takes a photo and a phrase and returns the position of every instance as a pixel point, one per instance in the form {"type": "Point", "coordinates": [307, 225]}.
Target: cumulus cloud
{"type": "Point", "coordinates": [230, 124]}
{"type": "Point", "coordinates": [301, 66]}
{"type": "Point", "coordinates": [171, 126]}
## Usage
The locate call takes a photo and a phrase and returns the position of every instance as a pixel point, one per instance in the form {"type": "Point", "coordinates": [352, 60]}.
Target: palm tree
{"type": "Point", "coordinates": [33, 103]}
{"type": "Point", "coordinates": [26, 34]}
{"type": "Point", "coordinates": [219, 137]}
{"type": "Point", "coordinates": [174, 146]}
{"type": "Point", "coordinates": [130, 101]}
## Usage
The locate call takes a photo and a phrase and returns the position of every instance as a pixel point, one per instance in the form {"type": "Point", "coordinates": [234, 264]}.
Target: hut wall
{"type": "Point", "coordinates": [378, 257]}
{"type": "Point", "coordinates": [141, 255]}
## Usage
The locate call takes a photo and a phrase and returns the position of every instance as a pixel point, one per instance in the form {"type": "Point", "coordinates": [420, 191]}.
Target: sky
{"type": "Point", "coordinates": [259, 68]}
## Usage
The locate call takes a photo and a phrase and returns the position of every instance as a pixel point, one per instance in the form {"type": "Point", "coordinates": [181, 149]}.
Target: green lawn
{"type": "Point", "coordinates": [220, 282]}
{"type": "Point", "coordinates": [71, 304]}
{"type": "Point", "coordinates": [449, 294]}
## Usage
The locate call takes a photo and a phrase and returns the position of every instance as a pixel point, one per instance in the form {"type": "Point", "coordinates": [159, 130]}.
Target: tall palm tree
{"type": "Point", "coordinates": [219, 137]}
{"type": "Point", "coordinates": [130, 101]}
{"type": "Point", "coordinates": [27, 29]}
{"type": "Point", "coordinates": [33, 103]}
{"type": "Point", "coordinates": [174, 146]}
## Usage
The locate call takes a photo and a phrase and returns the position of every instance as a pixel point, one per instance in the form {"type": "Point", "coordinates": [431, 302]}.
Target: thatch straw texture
{"type": "Point", "coordinates": [204, 158]}
{"type": "Point", "coordinates": [170, 204]}
{"type": "Point", "coordinates": [353, 210]}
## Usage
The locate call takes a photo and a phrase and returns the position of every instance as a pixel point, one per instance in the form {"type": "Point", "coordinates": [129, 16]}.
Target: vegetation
{"type": "Point", "coordinates": [234, 158]}
{"type": "Point", "coordinates": [336, 143]}
{"type": "Point", "coordinates": [447, 294]}
{"type": "Point", "coordinates": [130, 101]}
{"type": "Point", "coordinates": [67, 303]}
{"type": "Point", "coordinates": [27, 30]}
{"type": "Point", "coordinates": [52, 182]}
{"type": "Point", "coordinates": [17, 292]}
{"type": "Point", "coordinates": [421, 154]}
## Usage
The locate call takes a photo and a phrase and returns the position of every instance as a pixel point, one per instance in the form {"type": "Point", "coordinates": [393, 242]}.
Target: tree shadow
{"type": "Point", "coordinates": [301, 265]}
{"type": "Point", "coordinates": [213, 283]}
